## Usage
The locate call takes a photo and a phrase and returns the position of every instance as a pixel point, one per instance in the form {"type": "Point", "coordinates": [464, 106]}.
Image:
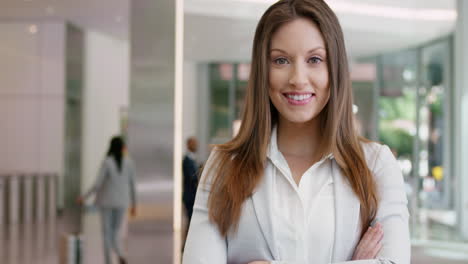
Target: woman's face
{"type": "Point", "coordinates": [298, 78]}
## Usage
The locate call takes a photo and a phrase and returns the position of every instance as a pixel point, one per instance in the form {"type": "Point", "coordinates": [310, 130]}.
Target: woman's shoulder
{"type": "Point", "coordinates": [109, 161]}
{"type": "Point", "coordinates": [376, 154]}
{"type": "Point", "coordinates": [209, 168]}
{"type": "Point", "coordinates": [128, 161]}
{"type": "Point", "coordinates": [371, 148]}
{"type": "Point", "coordinates": [383, 164]}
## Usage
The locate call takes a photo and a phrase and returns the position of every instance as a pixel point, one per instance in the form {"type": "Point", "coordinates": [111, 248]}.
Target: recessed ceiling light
{"type": "Point", "coordinates": [388, 11]}
{"type": "Point", "coordinates": [50, 10]}
{"type": "Point", "coordinates": [33, 29]}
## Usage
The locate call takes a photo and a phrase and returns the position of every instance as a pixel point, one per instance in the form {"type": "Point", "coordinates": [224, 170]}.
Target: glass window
{"type": "Point", "coordinates": [414, 121]}
{"type": "Point", "coordinates": [220, 77]}
{"type": "Point", "coordinates": [228, 85]}
{"type": "Point", "coordinates": [397, 126]}
{"type": "Point", "coordinates": [437, 213]}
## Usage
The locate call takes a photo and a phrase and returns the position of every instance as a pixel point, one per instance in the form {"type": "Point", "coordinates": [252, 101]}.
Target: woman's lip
{"type": "Point", "coordinates": [299, 102]}
{"type": "Point", "coordinates": [296, 93]}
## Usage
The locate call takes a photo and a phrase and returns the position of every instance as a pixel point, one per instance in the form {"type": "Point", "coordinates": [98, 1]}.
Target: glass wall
{"type": "Point", "coordinates": [364, 81]}
{"type": "Point", "coordinates": [397, 119]}
{"type": "Point", "coordinates": [228, 84]}
{"type": "Point", "coordinates": [414, 121]}
{"type": "Point", "coordinates": [221, 78]}
{"type": "Point", "coordinates": [436, 194]}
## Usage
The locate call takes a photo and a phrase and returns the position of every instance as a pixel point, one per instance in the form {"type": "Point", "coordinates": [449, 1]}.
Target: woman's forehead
{"type": "Point", "coordinates": [298, 35]}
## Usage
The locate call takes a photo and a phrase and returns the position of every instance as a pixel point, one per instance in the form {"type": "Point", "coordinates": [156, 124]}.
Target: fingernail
{"type": "Point", "coordinates": [373, 222]}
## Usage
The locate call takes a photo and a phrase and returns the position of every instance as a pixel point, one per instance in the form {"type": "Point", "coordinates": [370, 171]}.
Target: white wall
{"type": "Point", "coordinates": [106, 90]}
{"type": "Point", "coordinates": [32, 97]}
{"type": "Point", "coordinates": [191, 100]}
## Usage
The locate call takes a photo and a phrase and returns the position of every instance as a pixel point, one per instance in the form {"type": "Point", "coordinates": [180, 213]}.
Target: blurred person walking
{"type": "Point", "coordinates": [115, 193]}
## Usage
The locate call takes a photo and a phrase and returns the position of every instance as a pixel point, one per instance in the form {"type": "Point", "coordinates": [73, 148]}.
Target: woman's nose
{"type": "Point", "coordinates": [298, 76]}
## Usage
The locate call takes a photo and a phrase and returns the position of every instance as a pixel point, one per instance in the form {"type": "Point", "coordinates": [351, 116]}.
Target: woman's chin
{"type": "Point", "coordinates": [299, 119]}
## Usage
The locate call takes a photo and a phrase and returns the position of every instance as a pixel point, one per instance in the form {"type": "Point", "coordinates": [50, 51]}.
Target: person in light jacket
{"type": "Point", "coordinates": [115, 193]}
{"type": "Point", "coordinates": [298, 185]}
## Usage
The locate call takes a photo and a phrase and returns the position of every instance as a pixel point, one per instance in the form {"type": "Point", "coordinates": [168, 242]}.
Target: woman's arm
{"type": "Point", "coordinates": [204, 244]}
{"type": "Point", "coordinates": [392, 213]}
{"type": "Point", "coordinates": [102, 174]}
{"type": "Point", "coordinates": [365, 252]}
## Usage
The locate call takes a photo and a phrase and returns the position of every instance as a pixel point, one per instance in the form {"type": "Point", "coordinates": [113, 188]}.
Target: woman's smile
{"type": "Point", "coordinates": [299, 98]}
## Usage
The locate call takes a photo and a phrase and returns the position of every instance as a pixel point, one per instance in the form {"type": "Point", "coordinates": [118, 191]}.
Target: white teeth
{"type": "Point", "coordinates": [299, 97]}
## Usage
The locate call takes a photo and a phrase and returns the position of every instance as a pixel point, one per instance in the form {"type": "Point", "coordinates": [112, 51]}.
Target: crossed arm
{"type": "Point", "coordinates": [388, 242]}
{"type": "Point", "coordinates": [365, 253]}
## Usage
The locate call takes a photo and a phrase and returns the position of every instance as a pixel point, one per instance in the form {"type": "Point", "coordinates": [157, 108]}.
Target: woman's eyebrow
{"type": "Point", "coordinates": [310, 51]}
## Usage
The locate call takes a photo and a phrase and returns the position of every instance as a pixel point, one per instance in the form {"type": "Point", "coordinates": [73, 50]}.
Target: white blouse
{"type": "Point", "coordinates": [303, 214]}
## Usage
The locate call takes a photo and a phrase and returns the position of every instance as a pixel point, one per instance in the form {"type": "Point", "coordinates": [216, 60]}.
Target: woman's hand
{"type": "Point", "coordinates": [370, 243]}
{"type": "Point", "coordinates": [133, 211]}
{"type": "Point", "coordinates": [80, 200]}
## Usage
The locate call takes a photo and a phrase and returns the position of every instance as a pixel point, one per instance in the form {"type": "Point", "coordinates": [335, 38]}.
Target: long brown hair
{"type": "Point", "coordinates": [240, 162]}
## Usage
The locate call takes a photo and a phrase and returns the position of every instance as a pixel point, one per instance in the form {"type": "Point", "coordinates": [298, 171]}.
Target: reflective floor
{"type": "Point", "coordinates": [29, 244]}
{"type": "Point", "coordinates": [40, 243]}
{"type": "Point", "coordinates": [436, 225]}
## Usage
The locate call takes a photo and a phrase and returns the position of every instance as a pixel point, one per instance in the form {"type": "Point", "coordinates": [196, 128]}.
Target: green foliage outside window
{"type": "Point", "coordinates": [397, 120]}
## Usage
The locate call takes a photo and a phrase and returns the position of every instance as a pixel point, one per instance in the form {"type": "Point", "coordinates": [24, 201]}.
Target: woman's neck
{"type": "Point", "coordinates": [298, 139]}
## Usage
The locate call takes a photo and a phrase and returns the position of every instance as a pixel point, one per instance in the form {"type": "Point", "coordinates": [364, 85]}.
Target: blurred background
{"type": "Point", "coordinates": [75, 73]}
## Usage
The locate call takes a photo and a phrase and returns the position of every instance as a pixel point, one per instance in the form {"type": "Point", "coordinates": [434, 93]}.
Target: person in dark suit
{"type": "Point", "coordinates": [190, 170]}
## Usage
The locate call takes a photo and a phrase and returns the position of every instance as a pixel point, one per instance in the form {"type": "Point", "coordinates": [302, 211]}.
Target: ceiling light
{"type": "Point", "coordinates": [386, 11]}
{"type": "Point", "coordinates": [33, 29]}
{"type": "Point", "coordinates": [393, 11]}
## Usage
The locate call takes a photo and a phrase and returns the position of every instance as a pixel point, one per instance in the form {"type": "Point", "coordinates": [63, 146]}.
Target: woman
{"type": "Point", "coordinates": [297, 184]}
{"type": "Point", "coordinates": [115, 192]}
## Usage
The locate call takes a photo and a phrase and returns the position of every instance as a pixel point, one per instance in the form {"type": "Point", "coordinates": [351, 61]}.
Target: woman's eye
{"type": "Point", "coordinates": [315, 60]}
{"type": "Point", "coordinates": [281, 61]}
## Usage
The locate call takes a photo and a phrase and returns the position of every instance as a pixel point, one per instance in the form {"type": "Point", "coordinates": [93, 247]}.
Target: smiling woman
{"type": "Point", "coordinates": [297, 184]}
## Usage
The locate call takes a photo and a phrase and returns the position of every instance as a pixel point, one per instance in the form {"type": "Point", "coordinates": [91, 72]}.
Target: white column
{"type": "Point", "coordinates": [104, 56]}
{"type": "Point", "coordinates": [461, 116]}
{"type": "Point", "coordinates": [155, 109]}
